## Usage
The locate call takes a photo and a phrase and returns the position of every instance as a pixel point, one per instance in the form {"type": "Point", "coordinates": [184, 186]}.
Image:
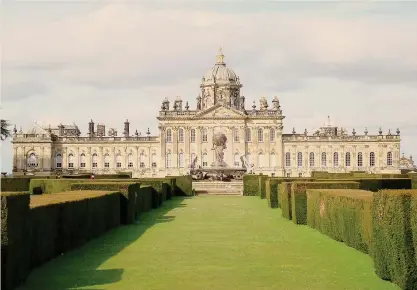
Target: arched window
{"type": "Point", "coordinates": [249, 159]}
{"type": "Point", "coordinates": [32, 160]}
{"type": "Point", "coordinates": [181, 160]}
{"type": "Point", "coordinates": [272, 135]}
{"type": "Point", "coordinates": [372, 159]}
{"type": "Point", "coordinates": [94, 160]}
{"type": "Point", "coordinates": [181, 135]}
{"type": "Point", "coordinates": [335, 159]}
{"type": "Point", "coordinates": [205, 161]}
{"type": "Point", "coordinates": [153, 160]}
{"type": "Point", "coordinates": [169, 136]}
{"type": "Point", "coordinates": [130, 160]}
{"type": "Point", "coordinates": [142, 160]}
{"type": "Point", "coordinates": [261, 160]}
{"type": "Point", "coordinates": [360, 159]}
{"type": "Point", "coordinates": [169, 160]}
{"type": "Point", "coordinates": [260, 135]}
{"type": "Point", "coordinates": [58, 160]}
{"type": "Point", "coordinates": [118, 161]}
{"type": "Point", "coordinates": [389, 158]}
{"type": "Point", "coordinates": [311, 159]}
{"type": "Point", "coordinates": [248, 135]}
{"type": "Point", "coordinates": [71, 160]}
{"type": "Point", "coordinates": [272, 160]}
{"type": "Point", "coordinates": [323, 159]}
{"type": "Point", "coordinates": [204, 135]}
{"type": "Point", "coordinates": [192, 136]}
{"type": "Point", "coordinates": [300, 159]}
{"type": "Point", "coordinates": [82, 160]}
{"type": "Point", "coordinates": [347, 159]}
{"type": "Point", "coordinates": [106, 161]}
{"type": "Point", "coordinates": [288, 159]}
{"type": "Point", "coordinates": [236, 134]}
{"type": "Point", "coordinates": [237, 160]}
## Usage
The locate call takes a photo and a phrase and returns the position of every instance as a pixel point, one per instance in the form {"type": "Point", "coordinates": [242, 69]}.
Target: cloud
{"type": "Point", "coordinates": [112, 61]}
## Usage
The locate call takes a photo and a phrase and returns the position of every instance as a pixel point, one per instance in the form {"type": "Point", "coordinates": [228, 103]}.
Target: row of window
{"type": "Point", "coordinates": [236, 135]}
{"type": "Point", "coordinates": [335, 159]}
{"type": "Point", "coordinates": [236, 161]}
{"type": "Point", "coordinates": [106, 161]}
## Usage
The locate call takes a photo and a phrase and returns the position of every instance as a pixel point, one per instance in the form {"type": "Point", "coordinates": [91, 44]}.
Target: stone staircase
{"type": "Point", "coordinates": [218, 187]}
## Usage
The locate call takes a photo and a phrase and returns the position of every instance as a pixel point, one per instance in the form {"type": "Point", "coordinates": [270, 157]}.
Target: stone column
{"type": "Point", "coordinates": [174, 160]}
{"type": "Point", "coordinates": [199, 152]}
{"type": "Point", "coordinates": [65, 159]}
{"type": "Point", "coordinates": [187, 152]}
{"type": "Point", "coordinates": [42, 157]}
{"type": "Point", "coordinates": [89, 160]}
{"type": "Point", "coordinates": [267, 140]}
{"type": "Point", "coordinates": [254, 131]}
{"type": "Point", "coordinates": [137, 161]}
{"type": "Point", "coordinates": [163, 147]}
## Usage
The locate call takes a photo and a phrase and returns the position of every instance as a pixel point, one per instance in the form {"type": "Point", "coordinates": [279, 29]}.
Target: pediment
{"type": "Point", "coordinates": [220, 112]}
{"type": "Point", "coordinates": [36, 129]}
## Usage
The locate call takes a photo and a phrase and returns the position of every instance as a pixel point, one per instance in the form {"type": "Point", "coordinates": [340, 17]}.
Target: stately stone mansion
{"type": "Point", "coordinates": [255, 140]}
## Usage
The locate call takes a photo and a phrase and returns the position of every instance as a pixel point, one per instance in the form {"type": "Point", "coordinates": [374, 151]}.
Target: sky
{"type": "Point", "coordinates": [72, 61]}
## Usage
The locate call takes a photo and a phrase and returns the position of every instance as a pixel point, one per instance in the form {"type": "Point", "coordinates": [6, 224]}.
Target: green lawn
{"type": "Point", "coordinates": [211, 242]}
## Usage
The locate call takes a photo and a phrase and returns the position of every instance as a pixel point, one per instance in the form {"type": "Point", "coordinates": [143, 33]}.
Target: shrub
{"type": "Point", "coordinates": [144, 200]}
{"type": "Point", "coordinates": [284, 199]}
{"type": "Point", "coordinates": [375, 184]}
{"type": "Point", "coordinates": [65, 221]}
{"type": "Point", "coordinates": [273, 188]}
{"type": "Point", "coordinates": [160, 191]}
{"type": "Point", "coordinates": [14, 234]}
{"type": "Point", "coordinates": [271, 191]}
{"type": "Point", "coordinates": [183, 185]}
{"type": "Point", "coordinates": [393, 251]}
{"type": "Point", "coordinates": [261, 185]}
{"type": "Point", "coordinates": [251, 185]}
{"type": "Point", "coordinates": [128, 191]}
{"type": "Point", "coordinates": [299, 197]}
{"type": "Point", "coordinates": [343, 214]}
{"type": "Point", "coordinates": [15, 184]}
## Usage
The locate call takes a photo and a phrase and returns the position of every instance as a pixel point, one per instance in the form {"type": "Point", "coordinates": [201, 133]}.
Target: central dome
{"type": "Point", "coordinates": [220, 73]}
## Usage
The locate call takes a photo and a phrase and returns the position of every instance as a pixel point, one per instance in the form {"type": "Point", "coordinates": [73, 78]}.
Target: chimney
{"type": "Point", "coordinates": [126, 131]}
{"type": "Point", "coordinates": [91, 129]}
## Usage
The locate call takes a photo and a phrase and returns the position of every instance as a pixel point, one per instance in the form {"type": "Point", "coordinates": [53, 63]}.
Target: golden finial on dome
{"type": "Point", "coordinates": [220, 57]}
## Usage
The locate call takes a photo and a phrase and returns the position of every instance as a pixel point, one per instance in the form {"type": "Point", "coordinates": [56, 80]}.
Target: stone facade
{"type": "Point", "coordinates": [254, 136]}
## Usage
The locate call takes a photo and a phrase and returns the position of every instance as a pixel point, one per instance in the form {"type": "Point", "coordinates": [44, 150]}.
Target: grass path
{"type": "Point", "coordinates": [211, 242]}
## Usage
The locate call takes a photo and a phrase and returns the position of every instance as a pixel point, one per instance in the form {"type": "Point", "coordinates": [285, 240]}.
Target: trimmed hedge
{"type": "Point", "coordinates": [49, 186]}
{"type": "Point", "coordinates": [15, 184]}
{"type": "Point", "coordinates": [354, 174]}
{"type": "Point", "coordinates": [273, 188]}
{"type": "Point", "coordinates": [14, 235]}
{"type": "Point", "coordinates": [299, 197]}
{"type": "Point", "coordinates": [161, 191]}
{"type": "Point", "coordinates": [393, 249]}
{"type": "Point", "coordinates": [271, 191]}
{"type": "Point", "coordinates": [375, 184]}
{"type": "Point", "coordinates": [129, 192]}
{"type": "Point", "coordinates": [284, 199]}
{"type": "Point", "coordinates": [68, 221]}
{"type": "Point", "coordinates": [143, 200]}
{"type": "Point", "coordinates": [413, 223]}
{"type": "Point", "coordinates": [127, 175]}
{"type": "Point", "coordinates": [251, 185]}
{"type": "Point", "coordinates": [343, 214]}
{"type": "Point", "coordinates": [262, 186]}
{"type": "Point", "coordinates": [183, 185]}
{"type": "Point", "coordinates": [413, 177]}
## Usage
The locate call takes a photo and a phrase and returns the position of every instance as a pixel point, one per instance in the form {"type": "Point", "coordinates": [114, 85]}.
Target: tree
{"type": "Point", "coordinates": [5, 131]}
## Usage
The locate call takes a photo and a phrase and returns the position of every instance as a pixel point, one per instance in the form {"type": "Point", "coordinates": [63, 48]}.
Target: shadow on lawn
{"type": "Point", "coordinates": [79, 268]}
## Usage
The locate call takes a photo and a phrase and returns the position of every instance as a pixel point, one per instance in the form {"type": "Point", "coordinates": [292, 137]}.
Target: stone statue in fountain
{"type": "Point", "coordinates": [219, 144]}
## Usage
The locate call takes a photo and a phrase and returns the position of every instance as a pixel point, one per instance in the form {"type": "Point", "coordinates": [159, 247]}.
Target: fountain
{"type": "Point", "coordinates": [219, 170]}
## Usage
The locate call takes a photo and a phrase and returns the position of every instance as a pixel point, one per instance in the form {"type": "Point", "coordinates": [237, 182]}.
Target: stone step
{"type": "Point", "coordinates": [225, 193]}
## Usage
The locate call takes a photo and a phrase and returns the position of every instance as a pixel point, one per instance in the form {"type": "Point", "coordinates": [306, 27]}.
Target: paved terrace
{"type": "Point", "coordinates": [211, 242]}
